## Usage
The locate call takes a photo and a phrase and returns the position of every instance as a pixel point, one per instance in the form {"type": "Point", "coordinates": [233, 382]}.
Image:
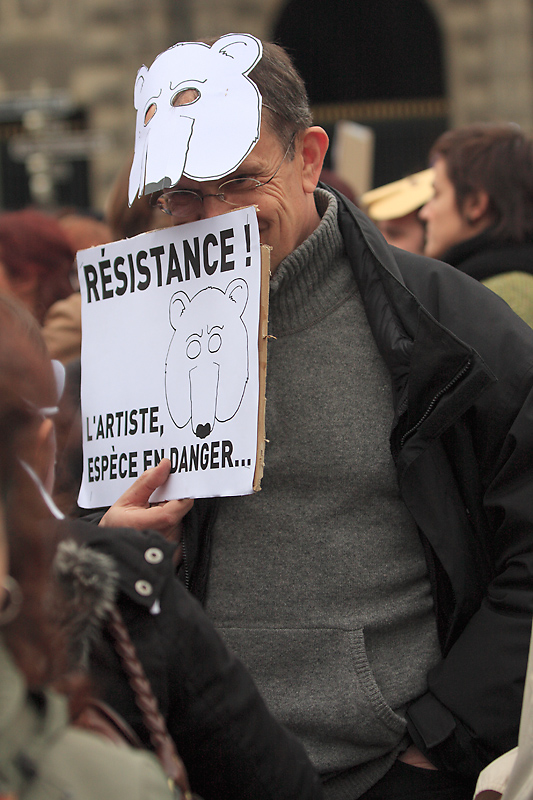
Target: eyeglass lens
{"type": "Point", "coordinates": [183, 202]}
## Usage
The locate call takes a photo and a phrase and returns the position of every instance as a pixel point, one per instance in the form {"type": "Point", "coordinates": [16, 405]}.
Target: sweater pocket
{"type": "Point", "coordinates": [319, 683]}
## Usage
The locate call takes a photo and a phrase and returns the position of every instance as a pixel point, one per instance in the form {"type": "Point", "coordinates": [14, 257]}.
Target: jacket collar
{"type": "Point", "coordinates": [484, 255]}
{"type": "Point", "coordinates": [436, 377]}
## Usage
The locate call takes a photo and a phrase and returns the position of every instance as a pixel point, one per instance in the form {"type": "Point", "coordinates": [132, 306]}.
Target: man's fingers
{"type": "Point", "coordinates": [140, 492]}
{"type": "Point", "coordinates": [167, 514]}
{"type": "Point", "coordinates": [163, 518]}
{"type": "Point", "coordinates": [133, 510]}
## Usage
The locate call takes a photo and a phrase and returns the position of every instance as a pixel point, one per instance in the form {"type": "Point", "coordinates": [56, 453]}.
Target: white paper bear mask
{"type": "Point", "coordinates": [198, 114]}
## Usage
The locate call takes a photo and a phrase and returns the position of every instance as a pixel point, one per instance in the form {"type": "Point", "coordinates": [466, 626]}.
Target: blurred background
{"type": "Point", "coordinates": [385, 78]}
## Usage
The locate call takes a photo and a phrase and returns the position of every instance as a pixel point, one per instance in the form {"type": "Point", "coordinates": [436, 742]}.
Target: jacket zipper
{"type": "Point", "coordinates": [185, 564]}
{"type": "Point", "coordinates": [435, 400]}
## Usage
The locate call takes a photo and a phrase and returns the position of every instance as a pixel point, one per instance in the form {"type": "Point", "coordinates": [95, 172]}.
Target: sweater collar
{"type": "Point", "coordinates": [308, 284]}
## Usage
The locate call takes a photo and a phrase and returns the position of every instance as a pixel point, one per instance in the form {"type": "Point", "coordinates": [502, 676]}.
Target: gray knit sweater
{"type": "Point", "coordinates": [318, 582]}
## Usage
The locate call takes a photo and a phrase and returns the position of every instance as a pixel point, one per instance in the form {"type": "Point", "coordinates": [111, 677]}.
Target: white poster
{"type": "Point", "coordinates": [169, 359]}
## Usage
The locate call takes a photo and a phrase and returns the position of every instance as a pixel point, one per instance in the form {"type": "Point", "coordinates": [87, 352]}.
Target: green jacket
{"type": "Point", "coordinates": [516, 288]}
{"type": "Point", "coordinates": [42, 757]}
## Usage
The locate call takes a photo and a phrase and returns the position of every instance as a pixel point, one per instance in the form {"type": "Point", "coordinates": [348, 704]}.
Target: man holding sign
{"type": "Point", "coordinates": [379, 586]}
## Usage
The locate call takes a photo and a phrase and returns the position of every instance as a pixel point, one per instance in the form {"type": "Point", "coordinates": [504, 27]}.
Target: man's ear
{"type": "Point", "coordinates": [314, 146]}
{"type": "Point", "coordinates": [476, 207]}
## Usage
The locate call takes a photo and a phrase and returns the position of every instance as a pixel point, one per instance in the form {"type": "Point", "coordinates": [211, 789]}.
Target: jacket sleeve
{"type": "Point", "coordinates": [80, 764]}
{"type": "Point", "coordinates": [474, 507]}
{"type": "Point", "coordinates": [470, 715]}
{"type": "Point", "coordinates": [471, 712]}
{"type": "Point", "coordinates": [231, 745]}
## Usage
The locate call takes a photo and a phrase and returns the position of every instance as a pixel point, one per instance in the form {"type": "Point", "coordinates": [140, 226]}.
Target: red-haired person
{"type": "Point", "coordinates": [36, 260]}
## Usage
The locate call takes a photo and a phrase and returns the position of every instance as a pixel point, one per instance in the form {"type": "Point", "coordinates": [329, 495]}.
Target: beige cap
{"type": "Point", "coordinates": [400, 197]}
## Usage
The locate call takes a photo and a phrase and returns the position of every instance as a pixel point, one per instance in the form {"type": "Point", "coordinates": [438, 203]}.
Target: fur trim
{"type": "Point", "coordinates": [89, 583]}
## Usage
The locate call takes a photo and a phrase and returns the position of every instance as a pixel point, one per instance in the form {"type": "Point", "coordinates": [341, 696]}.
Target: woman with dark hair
{"type": "Point", "coordinates": [36, 260]}
{"type": "Point", "coordinates": [480, 218]}
{"type": "Point", "coordinates": [41, 755]}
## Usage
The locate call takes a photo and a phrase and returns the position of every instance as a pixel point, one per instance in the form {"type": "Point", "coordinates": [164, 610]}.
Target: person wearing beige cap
{"type": "Point", "coordinates": [394, 208]}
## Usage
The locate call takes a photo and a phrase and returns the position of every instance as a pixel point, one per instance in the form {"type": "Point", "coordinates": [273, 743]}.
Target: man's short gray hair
{"type": "Point", "coordinates": [283, 91]}
{"type": "Point", "coordinates": [284, 94]}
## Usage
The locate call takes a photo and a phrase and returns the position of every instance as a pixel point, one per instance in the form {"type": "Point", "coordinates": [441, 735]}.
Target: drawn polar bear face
{"type": "Point", "coordinates": [207, 362]}
{"type": "Point", "coordinates": [198, 114]}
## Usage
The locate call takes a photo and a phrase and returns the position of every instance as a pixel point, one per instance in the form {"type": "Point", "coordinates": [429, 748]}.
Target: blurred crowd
{"type": "Point", "coordinates": [472, 207]}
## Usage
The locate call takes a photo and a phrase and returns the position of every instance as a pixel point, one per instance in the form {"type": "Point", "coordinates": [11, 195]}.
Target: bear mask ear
{"type": "Point", "coordinates": [243, 48]}
{"type": "Point", "coordinates": [139, 83]}
{"type": "Point", "coordinates": [178, 304]}
{"type": "Point", "coordinates": [237, 292]}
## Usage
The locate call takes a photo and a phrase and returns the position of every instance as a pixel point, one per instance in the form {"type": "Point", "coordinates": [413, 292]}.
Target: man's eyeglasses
{"type": "Point", "coordinates": [184, 203]}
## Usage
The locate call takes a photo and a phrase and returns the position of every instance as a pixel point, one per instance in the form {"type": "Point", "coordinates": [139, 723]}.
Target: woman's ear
{"type": "Point", "coordinates": [476, 207]}
{"type": "Point", "coordinates": [314, 145]}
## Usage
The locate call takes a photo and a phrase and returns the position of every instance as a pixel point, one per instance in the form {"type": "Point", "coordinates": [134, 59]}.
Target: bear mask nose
{"type": "Point", "coordinates": [203, 430]}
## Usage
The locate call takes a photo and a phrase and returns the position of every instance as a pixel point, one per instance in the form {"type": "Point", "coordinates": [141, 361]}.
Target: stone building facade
{"type": "Point", "coordinates": [59, 56]}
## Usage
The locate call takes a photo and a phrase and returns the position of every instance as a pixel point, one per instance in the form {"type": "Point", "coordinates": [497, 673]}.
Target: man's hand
{"type": "Point", "coordinates": [415, 758]}
{"type": "Point", "coordinates": [133, 509]}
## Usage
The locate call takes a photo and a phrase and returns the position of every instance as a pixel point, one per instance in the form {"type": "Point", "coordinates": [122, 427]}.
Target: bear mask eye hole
{"type": "Point", "coordinates": [185, 97]}
{"type": "Point", "coordinates": [150, 112]}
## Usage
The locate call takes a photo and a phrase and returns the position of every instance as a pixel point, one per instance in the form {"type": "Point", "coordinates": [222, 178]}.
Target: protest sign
{"type": "Point", "coordinates": [174, 359]}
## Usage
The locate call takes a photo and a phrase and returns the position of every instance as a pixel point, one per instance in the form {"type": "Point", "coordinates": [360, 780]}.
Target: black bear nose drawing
{"type": "Point", "coordinates": [203, 430]}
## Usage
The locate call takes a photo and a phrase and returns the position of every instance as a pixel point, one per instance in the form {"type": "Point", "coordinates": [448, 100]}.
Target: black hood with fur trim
{"type": "Point", "coordinates": [89, 583]}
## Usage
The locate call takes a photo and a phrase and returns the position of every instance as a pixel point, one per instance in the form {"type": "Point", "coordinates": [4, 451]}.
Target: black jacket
{"type": "Point", "coordinates": [231, 745]}
{"type": "Point", "coordinates": [461, 366]}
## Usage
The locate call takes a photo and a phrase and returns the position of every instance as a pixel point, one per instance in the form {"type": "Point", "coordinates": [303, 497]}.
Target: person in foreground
{"type": "Point", "coordinates": [41, 755]}
{"type": "Point", "coordinates": [379, 586]}
{"type": "Point", "coordinates": [233, 747]}
{"type": "Point", "coordinates": [395, 207]}
{"type": "Point", "coordinates": [36, 258]}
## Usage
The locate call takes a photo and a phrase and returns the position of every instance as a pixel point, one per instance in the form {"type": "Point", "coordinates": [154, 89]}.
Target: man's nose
{"type": "Point", "coordinates": [213, 206]}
